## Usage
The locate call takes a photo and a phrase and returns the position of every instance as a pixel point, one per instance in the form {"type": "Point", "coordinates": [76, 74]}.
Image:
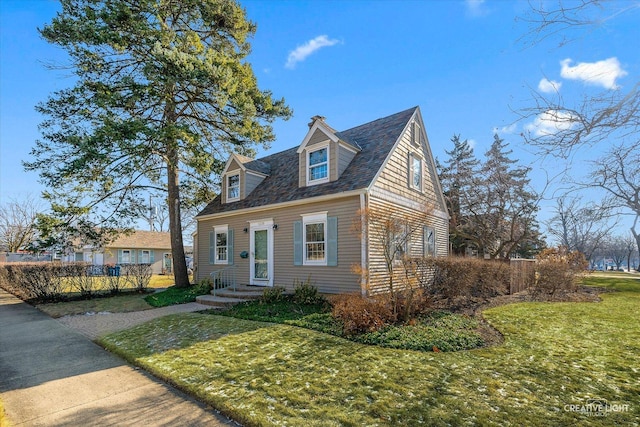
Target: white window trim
{"type": "Point", "coordinates": [314, 218]}
{"type": "Point", "coordinates": [142, 252]}
{"type": "Point", "coordinates": [315, 148]}
{"type": "Point", "coordinates": [412, 158]}
{"type": "Point", "coordinates": [130, 256]}
{"type": "Point", "coordinates": [220, 229]}
{"type": "Point", "coordinates": [227, 187]}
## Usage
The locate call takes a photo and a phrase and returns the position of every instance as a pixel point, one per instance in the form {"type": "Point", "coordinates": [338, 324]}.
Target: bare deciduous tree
{"type": "Point", "coordinates": [596, 120]}
{"type": "Point", "coordinates": [581, 227]}
{"type": "Point", "coordinates": [17, 221]}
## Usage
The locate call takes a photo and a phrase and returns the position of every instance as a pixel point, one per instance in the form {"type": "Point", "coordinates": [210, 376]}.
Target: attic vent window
{"type": "Point", "coordinates": [233, 189]}
{"type": "Point", "coordinates": [318, 161]}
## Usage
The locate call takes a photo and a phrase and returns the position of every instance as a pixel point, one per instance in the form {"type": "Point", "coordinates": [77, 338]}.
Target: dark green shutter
{"type": "Point", "coordinates": [297, 243]}
{"type": "Point", "coordinates": [152, 256]}
{"type": "Point", "coordinates": [332, 241]}
{"type": "Point", "coordinates": [119, 256]}
{"type": "Point", "coordinates": [230, 246]}
{"type": "Point", "coordinates": [212, 247]}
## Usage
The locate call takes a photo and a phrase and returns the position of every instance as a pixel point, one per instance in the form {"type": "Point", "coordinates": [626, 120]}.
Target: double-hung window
{"type": "Point", "coordinates": [145, 256]}
{"type": "Point", "coordinates": [221, 236]}
{"type": "Point", "coordinates": [233, 187]}
{"type": "Point", "coordinates": [318, 166]}
{"type": "Point", "coordinates": [429, 241]}
{"type": "Point", "coordinates": [126, 257]}
{"type": "Point", "coordinates": [415, 172]}
{"type": "Point", "coordinates": [315, 239]}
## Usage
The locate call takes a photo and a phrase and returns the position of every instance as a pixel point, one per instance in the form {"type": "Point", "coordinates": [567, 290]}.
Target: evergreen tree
{"type": "Point", "coordinates": [457, 177]}
{"type": "Point", "coordinates": [162, 94]}
{"type": "Point", "coordinates": [503, 208]}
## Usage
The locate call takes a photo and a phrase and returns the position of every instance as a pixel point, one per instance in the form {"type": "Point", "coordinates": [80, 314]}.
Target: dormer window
{"type": "Point", "coordinates": [233, 187]}
{"type": "Point", "coordinates": [318, 169]}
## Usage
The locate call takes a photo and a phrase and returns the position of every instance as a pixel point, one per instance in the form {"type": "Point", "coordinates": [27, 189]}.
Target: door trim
{"type": "Point", "coordinates": [264, 224]}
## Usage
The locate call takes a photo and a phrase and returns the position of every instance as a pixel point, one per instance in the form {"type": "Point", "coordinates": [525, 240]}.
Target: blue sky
{"type": "Point", "coordinates": [462, 62]}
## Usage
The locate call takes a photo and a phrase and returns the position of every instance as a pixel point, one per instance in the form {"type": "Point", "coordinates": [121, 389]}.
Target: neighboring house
{"type": "Point", "coordinates": [139, 247]}
{"type": "Point", "coordinates": [290, 215]}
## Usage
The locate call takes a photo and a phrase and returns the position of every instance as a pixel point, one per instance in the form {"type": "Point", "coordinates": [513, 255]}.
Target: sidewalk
{"type": "Point", "coordinates": [51, 375]}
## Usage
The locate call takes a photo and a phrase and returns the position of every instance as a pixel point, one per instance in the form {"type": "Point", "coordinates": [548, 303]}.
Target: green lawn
{"type": "Point", "coordinates": [554, 355]}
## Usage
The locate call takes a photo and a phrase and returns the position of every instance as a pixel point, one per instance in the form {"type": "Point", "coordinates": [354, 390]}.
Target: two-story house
{"type": "Point", "coordinates": [290, 215]}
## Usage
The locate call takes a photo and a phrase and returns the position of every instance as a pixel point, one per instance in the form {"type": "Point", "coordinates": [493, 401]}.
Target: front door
{"type": "Point", "coordinates": [261, 260]}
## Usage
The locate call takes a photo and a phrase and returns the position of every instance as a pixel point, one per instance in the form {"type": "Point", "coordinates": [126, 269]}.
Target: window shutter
{"type": "Point", "coordinates": [151, 256]}
{"type": "Point", "coordinates": [139, 256]}
{"type": "Point", "coordinates": [297, 243]}
{"type": "Point", "coordinates": [119, 256]}
{"type": "Point", "coordinates": [212, 247]}
{"type": "Point", "coordinates": [230, 246]}
{"type": "Point", "coordinates": [332, 241]}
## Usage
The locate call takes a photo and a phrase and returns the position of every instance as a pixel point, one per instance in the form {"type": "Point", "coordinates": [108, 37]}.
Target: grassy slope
{"type": "Point", "coordinates": [263, 374]}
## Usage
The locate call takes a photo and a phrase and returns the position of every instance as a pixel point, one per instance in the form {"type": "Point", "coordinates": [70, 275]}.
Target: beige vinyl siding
{"type": "Point", "coordinates": [251, 181]}
{"type": "Point", "coordinates": [378, 274]}
{"type": "Point", "coordinates": [344, 158]}
{"type": "Point", "coordinates": [395, 175]}
{"type": "Point", "coordinates": [338, 279]}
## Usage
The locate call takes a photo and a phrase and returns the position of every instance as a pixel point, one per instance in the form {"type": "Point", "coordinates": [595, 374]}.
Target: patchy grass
{"type": "Point", "coordinates": [262, 374]}
{"type": "Point", "coordinates": [121, 303]}
{"type": "Point", "coordinates": [174, 295]}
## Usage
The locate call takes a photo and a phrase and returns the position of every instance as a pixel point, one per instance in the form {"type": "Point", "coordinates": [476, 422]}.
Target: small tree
{"type": "Point", "coordinates": [390, 232]}
{"type": "Point", "coordinates": [17, 224]}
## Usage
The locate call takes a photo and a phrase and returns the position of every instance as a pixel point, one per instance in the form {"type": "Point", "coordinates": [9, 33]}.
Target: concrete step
{"type": "Point", "coordinates": [240, 292]}
{"type": "Point", "coordinates": [218, 301]}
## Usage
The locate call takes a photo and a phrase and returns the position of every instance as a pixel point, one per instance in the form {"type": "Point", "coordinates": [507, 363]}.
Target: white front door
{"type": "Point", "coordinates": [261, 259]}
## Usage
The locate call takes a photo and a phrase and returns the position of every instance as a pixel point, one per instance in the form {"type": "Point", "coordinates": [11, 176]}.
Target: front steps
{"type": "Point", "coordinates": [228, 296]}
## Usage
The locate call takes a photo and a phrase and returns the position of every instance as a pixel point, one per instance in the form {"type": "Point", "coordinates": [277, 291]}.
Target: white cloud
{"type": "Point", "coordinates": [472, 143]}
{"type": "Point", "coordinates": [551, 122]}
{"type": "Point", "coordinates": [476, 8]}
{"type": "Point", "coordinates": [506, 130]}
{"type": "Point", "coordinates": [549, 86]}
{"type": "Point", "coordinates": [601, 73]}
{"type": "Point", "coordinates": [301, 53]}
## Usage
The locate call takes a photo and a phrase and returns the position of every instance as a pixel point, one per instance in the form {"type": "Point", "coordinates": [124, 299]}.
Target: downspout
{"type": "Point", "coordinates": [364, 244]}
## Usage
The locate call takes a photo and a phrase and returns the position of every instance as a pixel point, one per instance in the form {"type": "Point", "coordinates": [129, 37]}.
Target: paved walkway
{"type": "Point", "coordinates": [98, 324]}
{"type": "Point", "coordinates": [50, 375]}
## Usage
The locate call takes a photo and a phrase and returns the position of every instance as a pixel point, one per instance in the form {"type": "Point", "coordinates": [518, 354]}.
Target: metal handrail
{"type": "Point", "coordinates": [223, 279]}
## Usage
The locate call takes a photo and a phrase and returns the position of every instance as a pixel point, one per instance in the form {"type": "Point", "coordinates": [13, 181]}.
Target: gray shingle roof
{"type": "Point", "coordinates": [375, 138]}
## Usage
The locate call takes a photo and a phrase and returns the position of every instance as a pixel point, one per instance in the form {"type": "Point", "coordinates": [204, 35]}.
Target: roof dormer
{"type": "Point", "coordinates": [322, 155]}
{"type": "Point", "coordinates": [241, 175]}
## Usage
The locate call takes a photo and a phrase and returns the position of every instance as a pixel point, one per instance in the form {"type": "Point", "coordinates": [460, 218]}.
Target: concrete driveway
{"type": "Point", "coordinates": [51, 375]}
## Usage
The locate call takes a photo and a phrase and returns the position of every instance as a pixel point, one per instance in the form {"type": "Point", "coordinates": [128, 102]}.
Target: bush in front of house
{"type": "Point", "coordinates": [273, 294]}
{"type": "Point", "coordinates": [465, 278]}
{"type": "Point", "coordinates": [306, 293]}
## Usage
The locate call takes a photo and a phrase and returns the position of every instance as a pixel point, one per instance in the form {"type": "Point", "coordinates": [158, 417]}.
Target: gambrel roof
{"type": "Point", "coordinates": [375, 139]}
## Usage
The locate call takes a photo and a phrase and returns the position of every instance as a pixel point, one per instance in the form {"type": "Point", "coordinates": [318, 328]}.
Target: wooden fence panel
{"type": "Point", "coordinates": [523, 274]}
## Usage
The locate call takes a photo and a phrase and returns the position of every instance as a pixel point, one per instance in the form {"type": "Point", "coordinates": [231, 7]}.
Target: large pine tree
{"type": "Point", "coordinates": [163, 92]}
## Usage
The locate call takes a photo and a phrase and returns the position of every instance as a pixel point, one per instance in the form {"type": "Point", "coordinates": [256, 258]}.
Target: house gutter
{"type": "Point", "coordinates": [306, 201]}
{"type": "Point", "coordinates": [364, 243]}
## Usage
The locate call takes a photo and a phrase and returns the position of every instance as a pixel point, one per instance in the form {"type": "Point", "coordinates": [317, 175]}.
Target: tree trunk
{"type": "Point", "coordinates": [175, 222]}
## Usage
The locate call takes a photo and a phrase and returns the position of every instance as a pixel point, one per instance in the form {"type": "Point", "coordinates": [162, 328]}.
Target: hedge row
{"type": "Point", "coordinates": [45, 282]}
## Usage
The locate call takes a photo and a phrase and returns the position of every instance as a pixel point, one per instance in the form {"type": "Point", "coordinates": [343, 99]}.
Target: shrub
{"type": "Point", "coordinates": [359, 314]}
{"type": "Point", "coordinates": [138, 275]}
{"type": "Point", "coordinates": [457, 277]}
{"type": "Point", "coordinates": [274, 294]}
{"type": "Point", "coordinates": [306, 293]}
{"type": "Point", "coordinates": [557, 270]}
